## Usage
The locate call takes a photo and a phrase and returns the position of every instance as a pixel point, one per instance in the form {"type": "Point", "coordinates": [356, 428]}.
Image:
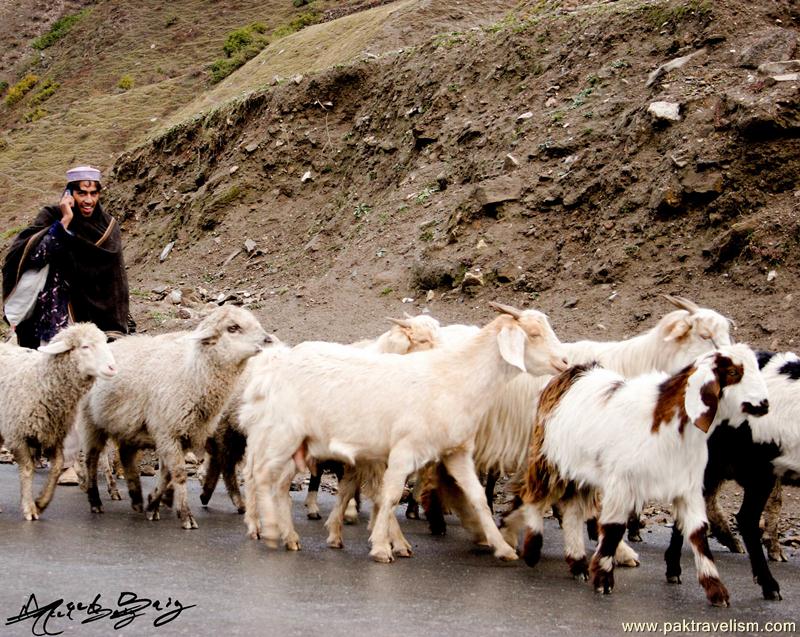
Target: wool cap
{"type": "Point", "coordinates": [83, 173]}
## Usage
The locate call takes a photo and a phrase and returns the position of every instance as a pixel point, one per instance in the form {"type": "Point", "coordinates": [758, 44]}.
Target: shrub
{"type": "Point", "coordinates": [59, 29]}
{"type": "Point", "coordinates": [45, 92]}
{"type": "Point", "coordinates": [125, 83]}
{"type": "Point", "coordinates": [237, 40]}
{"type": "Point", "coordinates": [20, 89]}
{"type": "Point", "coordinates": [3, 86]}
{"type": "Point", "coordinates": [300, 22]}
{"type": "Point", "coordinates": [240, 46]}
{"type": "Point", "coordinates": [36, 113]}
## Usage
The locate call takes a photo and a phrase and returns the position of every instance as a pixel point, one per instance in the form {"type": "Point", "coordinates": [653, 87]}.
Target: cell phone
{"type": "Point", "coordinates": [68, 190]}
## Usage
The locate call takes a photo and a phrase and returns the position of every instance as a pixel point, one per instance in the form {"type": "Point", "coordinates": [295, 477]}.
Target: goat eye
{"type": "Point", "coordinates": [234, 328]}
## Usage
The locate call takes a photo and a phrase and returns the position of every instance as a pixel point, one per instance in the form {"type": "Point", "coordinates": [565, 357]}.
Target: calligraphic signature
{"type": "Point", "coordinates": [48, 619]}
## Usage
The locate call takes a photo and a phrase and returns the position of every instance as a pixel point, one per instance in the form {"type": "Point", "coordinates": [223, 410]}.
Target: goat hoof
{"type": "Point", "coordinates": [293, 545]}
{"type": "Point", "coordinates": [506, 554]}
{"type": "Point", "coordinates": [674, 579]}
{"type": "Point", "coordinates": [335, 544]}
{"type": "Point", "coordinates": [314, 515]}
{"type": "Point", "coordinates": [403, 551]}
{"type": "Point", "coordinates": [153, 516]}
{"type": "Point", "coordinates": [115, 495]}
{"type": "Point", "coordinates": [97, 508]}
{"type": "Point", "coordinates": [774, 596]}
{"type": "Point", "coordinates": [204, 498]}
{"type": "Point", "coordinates": [350, 519]}
{"type": "Point", "coordinates": [189, 523]}
{"type": "Point", "coordinates": [137, 507]}
{"type": "Point", "coordinates": [241, 510]}
{"type": "Point", "coordinates": [412, 514]}
{"type": "Point", "coordinates": [776, 556]}
{"type": "Point", "coordinates": [382, 555]}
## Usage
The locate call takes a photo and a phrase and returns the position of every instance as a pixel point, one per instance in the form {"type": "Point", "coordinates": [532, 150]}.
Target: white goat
{"type": "Point", "coordinates": [350, 405]}
{"type": "Point", "coordinates": [41, 392]}
{"type": "Point", "coordinates": [632, 440]}
{"type": "Point", "coordinates": [168, 397]}
{"type": "Point", "coordinates": [503, 437]}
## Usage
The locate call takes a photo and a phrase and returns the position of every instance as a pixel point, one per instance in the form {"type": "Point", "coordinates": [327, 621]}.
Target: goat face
{"type": "Point", "coordinates": [414, 334]}
{"type": "Point", "coordinates": [696, 332]}
{"type": "Point", "coordinates": [726, 384]}
{"type": "Point", "coordinates": [530, 344]}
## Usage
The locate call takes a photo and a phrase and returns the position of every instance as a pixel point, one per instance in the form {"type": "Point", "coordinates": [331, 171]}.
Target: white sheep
{"type": "Point", "coordinates": [41, 391]}
{"type": "Point", "coordinates": [341, 403]}
{"type": "Point", "coordinates": [225, 449]}
{"type": "Point", "coordinates": [632, 440]}
{"type": "Point", "coordinates": [168, 396]}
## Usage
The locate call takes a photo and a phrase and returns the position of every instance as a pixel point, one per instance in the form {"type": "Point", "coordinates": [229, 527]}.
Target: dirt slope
{"type": "Point", "coordinates": [598, 209]}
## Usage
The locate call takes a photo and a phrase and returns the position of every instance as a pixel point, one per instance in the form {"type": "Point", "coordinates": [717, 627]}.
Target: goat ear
{"type": "Point", "coordinates": [58, 347]}
{"type": "Point", "coordinates": [702, 395]}
{"type": "Point", "coordinates": [678, 329]}
{"type": "Point", "coordinates": [511, 342]}
{"type": "Point", "coordinates": [207, 336]}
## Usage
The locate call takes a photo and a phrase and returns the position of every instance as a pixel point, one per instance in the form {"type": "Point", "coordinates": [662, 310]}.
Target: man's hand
{"type": "Point", "coordinates": [66, 204]}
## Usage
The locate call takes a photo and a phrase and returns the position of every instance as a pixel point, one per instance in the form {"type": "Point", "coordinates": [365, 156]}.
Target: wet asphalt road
{"type": "Point", "coordinates": [238, 587]}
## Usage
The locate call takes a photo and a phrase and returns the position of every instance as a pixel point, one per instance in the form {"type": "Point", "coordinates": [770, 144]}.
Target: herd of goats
{"type": "Point", "coordinates": [590, 429]}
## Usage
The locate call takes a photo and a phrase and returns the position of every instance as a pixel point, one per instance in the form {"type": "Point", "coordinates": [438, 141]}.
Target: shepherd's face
{"type": "Point", "coordinates": [86, 196]}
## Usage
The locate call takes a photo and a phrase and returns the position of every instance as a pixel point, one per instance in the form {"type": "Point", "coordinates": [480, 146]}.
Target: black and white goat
{"type": "Point", "coordinates": [631, 440]}
{"type": "Point", "coordinates": [756, 455]}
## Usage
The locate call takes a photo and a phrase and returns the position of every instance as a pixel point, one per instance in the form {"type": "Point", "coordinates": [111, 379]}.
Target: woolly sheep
{"type": "Point", "coordinates": [345, 404]}
{"type": "Point", "coordinates": [42, 391]}
{"type": "Point", "coordinates": [632, 440]}
{"type": "Point", "coordinates": [168, 396]}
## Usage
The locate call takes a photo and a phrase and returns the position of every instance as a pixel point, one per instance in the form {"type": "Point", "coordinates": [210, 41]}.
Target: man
{"type": "Point", "coordinates": [85, 281]}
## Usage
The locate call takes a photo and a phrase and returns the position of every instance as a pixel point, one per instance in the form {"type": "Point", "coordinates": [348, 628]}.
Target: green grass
{"type": "Point", "coordinates": [60, 28]}
{"type": "Point", "coordinates": [125, 83]}
{"type": "Point", "coordinates": [45, 92]}
{"type": "Point", "coordinates": [11, 232]}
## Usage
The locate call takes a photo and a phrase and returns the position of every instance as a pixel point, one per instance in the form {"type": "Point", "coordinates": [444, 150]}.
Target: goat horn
{"type": "Point", "coordinates": [505, 309]}
{"type": "Point", "coordinates": [682, 303]}
{"type": "Point", "coordinates": [400, 322]}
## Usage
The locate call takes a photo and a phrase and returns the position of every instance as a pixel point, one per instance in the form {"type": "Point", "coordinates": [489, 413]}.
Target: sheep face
{"type": "Point", "coordinates": [527, 342]}
{"type": "Point", "coordinates": [413, 334]}
{"type": "Point", "coordinates": [87, 346]}
{"type": "Point", "coordinates": [233, 332]}
{"type": "Point", "coordinates": [726, 384]}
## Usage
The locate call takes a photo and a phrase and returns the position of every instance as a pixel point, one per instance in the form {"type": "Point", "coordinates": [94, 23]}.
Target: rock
{"type": "Point", "coordinates": [665, 111]}
{"type": "Point", "coordinates": [671, 66]}
{"type": "Point", "coordinates": [495, 191]}
{"type": "Point", "coordinates": [771, 276]}
{"type": "Point", "coordinates": [524, 116]}
{"type": "Point", "coordinates": [423, 138]}
{"type": "Point", "coordinates": [297, 79]}
{"type": "Point", "coordinates": [570, 302]}
{"type": "Point", "coordinates": [667, 197]}
{"type": "Point", "coordinates": [233, 169]}
{"type": "Point", "coordinates": [176, 297]}
{"type": "Point", "coordinates": [779, 68]}
{"type": "Point", "coordinates": [510, 163]}
{"type": "Point", "coordinates": [481, 245]}
{"type": "Point", "coordinates": [231, 257]}
{"type": "Point", "coordinates": [472, 279]}
{"type": "Point", "coordinates": [313, 244]}
{"type": "Point", "coordinates": [703, 183]}
{"type": "Point", "coordinates": [775, 44]}
{"type": "Point", "coordinates": [306, 177]}
{"type": "Point", "coordinates": [185, 313]}
{"type": "Point", "coordinates": [252, 147]}
{"type": "Point", "coordinates": [433, 274]}
{"type": "Point", "coordinates": [165, 252]}
{"type": "Point", "coordinates": [160, 290]}
{"type": "Point", "coordinates": [731, 243]}
{"type": "Point", "coordinates": [430, 296]}
{"type": "Point", "coordinates": [551, 102]}
{"type": "Point", "coordinates": [249, 245]}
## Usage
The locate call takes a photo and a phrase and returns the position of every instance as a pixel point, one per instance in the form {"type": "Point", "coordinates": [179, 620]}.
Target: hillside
{"type": "Point", "coordinates": [521, 151]}
{"type": "Point", "coordinates": [506, 140]}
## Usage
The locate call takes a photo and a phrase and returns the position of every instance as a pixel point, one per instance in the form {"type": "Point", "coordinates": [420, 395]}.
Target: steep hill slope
{"type": "Point", "coordinates": [521, 152]}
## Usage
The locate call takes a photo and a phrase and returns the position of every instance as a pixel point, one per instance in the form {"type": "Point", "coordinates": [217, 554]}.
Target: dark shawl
{"type": "Point", "coordinates": [98, 284]}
